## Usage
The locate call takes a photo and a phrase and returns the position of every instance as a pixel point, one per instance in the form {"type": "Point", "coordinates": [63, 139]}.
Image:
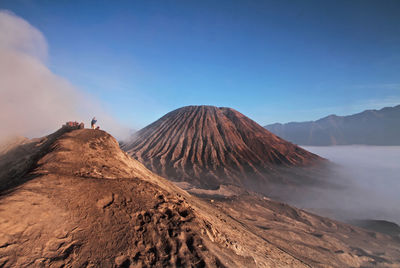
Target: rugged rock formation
{"type": "Point", "coordinates": [371, 127]}
{"type": "Point", "coordinates": [208, 146]}
{"type": "Point", "coordinates": [79, 201]}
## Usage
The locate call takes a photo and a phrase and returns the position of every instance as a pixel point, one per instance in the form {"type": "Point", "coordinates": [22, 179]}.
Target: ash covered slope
{"type": "Point", "coordinates": [207, 146]}
{"type": "Point", "coordinates": [82, 202]}
{"type": "Point", "coordinates": [371, 127]}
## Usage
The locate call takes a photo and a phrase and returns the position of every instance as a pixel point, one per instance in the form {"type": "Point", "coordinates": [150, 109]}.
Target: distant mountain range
{"type": "Point", "coordinates": [371, 127]}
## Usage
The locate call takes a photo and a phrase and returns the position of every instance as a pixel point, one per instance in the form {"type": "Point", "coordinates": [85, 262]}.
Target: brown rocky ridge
{"type": "Point", "coordinates": [208, 146]}
{"type": "Point", "coordinates": [74, 199]}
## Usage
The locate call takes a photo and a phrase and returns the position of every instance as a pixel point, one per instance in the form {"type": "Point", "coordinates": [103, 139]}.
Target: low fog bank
{"type": "Point", "coordinates": [369, 177]}
{"type": "Point", "coordinates": [33, 100]}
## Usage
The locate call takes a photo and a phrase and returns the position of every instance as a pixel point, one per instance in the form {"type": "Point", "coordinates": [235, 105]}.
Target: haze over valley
{"type": "Point", "coordinates": [369, 180]}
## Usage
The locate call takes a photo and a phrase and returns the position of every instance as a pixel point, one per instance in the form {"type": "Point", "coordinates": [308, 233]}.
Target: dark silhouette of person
{"type": "Point", "coordinates": [93, 123]}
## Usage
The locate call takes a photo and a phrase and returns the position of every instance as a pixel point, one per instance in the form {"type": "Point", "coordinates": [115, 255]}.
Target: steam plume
{"type": "Point", "coordinates": [33, 100]}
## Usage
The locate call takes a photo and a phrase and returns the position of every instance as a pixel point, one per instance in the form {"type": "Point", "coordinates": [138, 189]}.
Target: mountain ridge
{"type": "Point", "coordinates": [81, 201]}
{"type": "Point", "coordinates": [49, 215]}
{"type": "Point", "coordinates": [369, 127]}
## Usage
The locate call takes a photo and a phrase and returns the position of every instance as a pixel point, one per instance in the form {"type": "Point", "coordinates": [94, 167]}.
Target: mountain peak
{"type": "Point", "coordinates": [208, 146]}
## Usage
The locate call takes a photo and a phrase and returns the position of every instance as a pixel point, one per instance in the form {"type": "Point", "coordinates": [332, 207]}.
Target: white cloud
{"type": "Point", "coordinates": [369, 180]}
{"type": "Point", "coordinates": [33, 100]}
{"type": "Point", "coordinates": [18, 35]}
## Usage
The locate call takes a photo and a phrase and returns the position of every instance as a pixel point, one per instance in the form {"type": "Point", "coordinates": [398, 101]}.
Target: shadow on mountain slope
{"type": "Point", "coordinates": [19, 155]}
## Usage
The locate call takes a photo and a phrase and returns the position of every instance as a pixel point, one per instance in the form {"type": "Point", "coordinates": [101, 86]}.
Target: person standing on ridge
{"type": "Point", "coordinates": [93, 123]}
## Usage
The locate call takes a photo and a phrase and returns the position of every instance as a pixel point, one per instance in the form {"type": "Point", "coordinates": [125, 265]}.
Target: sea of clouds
{"type": "Point", "coordinates": [369, 180]}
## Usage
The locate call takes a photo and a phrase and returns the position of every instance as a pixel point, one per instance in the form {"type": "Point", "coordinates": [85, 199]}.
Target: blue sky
{"type": "Point", "coordinates": [274, 61]}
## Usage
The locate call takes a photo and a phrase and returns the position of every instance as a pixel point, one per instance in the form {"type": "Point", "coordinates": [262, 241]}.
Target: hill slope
{"type": "Point", "coordinates": [208, 146]}
{"type": "Point", "coordinates": [371, 127]}
{"type": "Point", "coordinates": [82, 202]}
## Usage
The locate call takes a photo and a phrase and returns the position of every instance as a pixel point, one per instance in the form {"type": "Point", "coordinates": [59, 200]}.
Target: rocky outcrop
{"type": "Point", "coordinates": [81, 201]}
